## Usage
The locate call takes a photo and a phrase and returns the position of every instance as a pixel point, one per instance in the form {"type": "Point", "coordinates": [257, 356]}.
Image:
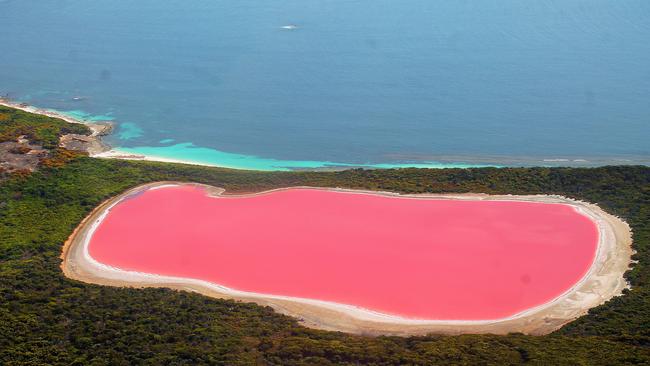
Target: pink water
{"type": "Point", "coordinates": [417, 258]}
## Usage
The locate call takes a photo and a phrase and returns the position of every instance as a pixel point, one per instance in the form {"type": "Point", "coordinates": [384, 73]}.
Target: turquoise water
{"type": "Point", "coordinates": [378, 83]}
{"type": "Point", "coordinates": [187, 152]}
{"type": "Point", "coordinates": [85, 116]}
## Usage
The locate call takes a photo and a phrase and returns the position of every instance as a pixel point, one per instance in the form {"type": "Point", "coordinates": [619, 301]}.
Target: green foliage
{"type": "Point", "coordinates": [46, 318]}
{"type": "Point", "coordinates": [38, 129]}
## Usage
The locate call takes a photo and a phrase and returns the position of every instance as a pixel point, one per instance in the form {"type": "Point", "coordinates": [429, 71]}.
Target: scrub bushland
{"type": "Point", "coordinates": [37, 129]}
{"type": "Point", "coordinates": [46, 318]}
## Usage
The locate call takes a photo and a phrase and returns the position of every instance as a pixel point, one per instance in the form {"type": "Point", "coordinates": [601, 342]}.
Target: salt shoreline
{"type": "Point", "coordinates": [603, 280]}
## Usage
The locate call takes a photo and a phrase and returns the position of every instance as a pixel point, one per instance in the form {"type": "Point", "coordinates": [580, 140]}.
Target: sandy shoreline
{"type": "Point", "coordinates": [603, 280]}
{"type": "Point", "coordinates": [117, 154]}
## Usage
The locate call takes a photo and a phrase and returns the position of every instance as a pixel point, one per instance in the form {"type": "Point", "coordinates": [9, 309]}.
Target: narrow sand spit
{"type": "Point", "coordinates": [603, 281]}
{"type": "Point", "coordinates": [116, 154]}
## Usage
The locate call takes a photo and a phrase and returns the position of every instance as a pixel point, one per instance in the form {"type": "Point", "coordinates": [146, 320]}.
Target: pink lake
{"type": "Point", "coordinates": [430, 259]}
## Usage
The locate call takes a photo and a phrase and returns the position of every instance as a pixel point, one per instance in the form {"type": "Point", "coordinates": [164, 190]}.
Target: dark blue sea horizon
{"type": "Point", "coordinates": [295, 84]}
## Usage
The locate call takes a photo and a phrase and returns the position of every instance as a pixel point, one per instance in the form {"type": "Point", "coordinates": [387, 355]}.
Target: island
{"type": "Point", "coordinates": [49, 318]}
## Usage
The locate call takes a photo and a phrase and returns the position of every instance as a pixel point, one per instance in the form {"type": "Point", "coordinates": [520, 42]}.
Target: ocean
{"type": "Point", "coordinates": [276, 85]}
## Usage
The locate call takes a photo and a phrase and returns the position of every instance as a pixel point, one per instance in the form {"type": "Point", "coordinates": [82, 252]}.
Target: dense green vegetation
{"type": "Point", "coordinates": [38, 129]}
{"type": "Point", "coordinates": [46, 318]}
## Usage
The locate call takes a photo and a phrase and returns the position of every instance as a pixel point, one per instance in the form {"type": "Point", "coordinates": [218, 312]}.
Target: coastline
{"type": "Point", "coordinates": [603, 280]}
{"type": "Point", "coordinates": [95, 146]}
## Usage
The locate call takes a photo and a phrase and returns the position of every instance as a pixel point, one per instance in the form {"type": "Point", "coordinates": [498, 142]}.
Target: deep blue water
{"type": "Point", "coordinates": [506, 82]}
